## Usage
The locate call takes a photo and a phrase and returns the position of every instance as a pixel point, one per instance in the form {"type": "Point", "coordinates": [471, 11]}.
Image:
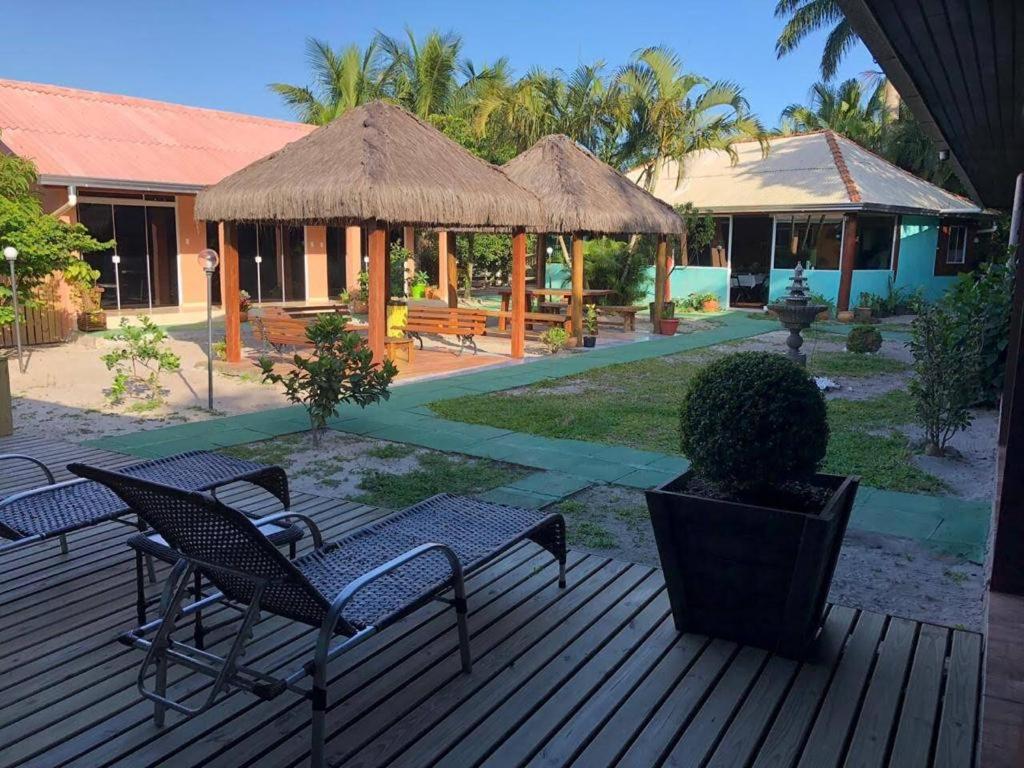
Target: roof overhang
{"type": "Point", "coordinates": [955, 68]}
{"type": "Point", "coordinates": [841, 208]}
{"type": "Point", "coordinates": [124, 185]}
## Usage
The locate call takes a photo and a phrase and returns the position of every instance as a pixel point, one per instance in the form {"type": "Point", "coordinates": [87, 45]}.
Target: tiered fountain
{"type": "Point", "coordinates": [796, 313]}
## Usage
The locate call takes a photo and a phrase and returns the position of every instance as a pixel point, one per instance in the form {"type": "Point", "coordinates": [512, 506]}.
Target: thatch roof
{"type": "Point", "coordinates": [376, 161]}
{"type": "Point", "coordinates": [580, 193]}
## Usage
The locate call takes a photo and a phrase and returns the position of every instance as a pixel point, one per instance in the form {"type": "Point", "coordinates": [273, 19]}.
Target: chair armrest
{"type": "Point", "coordinates": [346, 594]}
{"type": "Point", "coordinates": [314, 531]}
{"type": "Point", "coordinates": [21, 457]}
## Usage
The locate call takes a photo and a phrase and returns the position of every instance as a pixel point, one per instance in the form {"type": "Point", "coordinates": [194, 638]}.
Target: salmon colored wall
{"type": "Point", "coordinates": [316, 264]}
{"type": "Point", "coordinates": [191, 240]}
{"type": "Point", "coordinates": [57, 290]}
{"type": "Point", "coordinates": [353, 256]}
{"type": "Point", "coordinates": [53, 198]}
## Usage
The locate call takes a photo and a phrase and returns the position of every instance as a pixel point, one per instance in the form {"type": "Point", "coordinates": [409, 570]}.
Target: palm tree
{"type": "Point", "coordinates": [669, 114]}
{"type": "Point", "coordinates": [342, 80]}
{"type": "Point", "coordinates": [804, 17]}
{"type": "Point", "coordinates": [845, 109]}
{"type": "Point", "coordinates": [423, 76]}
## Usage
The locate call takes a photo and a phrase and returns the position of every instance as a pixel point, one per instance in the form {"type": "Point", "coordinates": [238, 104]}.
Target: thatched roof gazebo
{"type": "Point", "coordinates": [581, 195]}
{"type": "Point", "coordinates": [377, 164]}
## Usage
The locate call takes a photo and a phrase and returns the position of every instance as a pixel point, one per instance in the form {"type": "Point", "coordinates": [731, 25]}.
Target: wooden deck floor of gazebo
{"type": "Point", "coordinates": [592, 675]}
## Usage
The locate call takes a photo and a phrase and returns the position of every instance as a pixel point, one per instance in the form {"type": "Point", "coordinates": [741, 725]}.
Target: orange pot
{"type": "Point", "coordinates": [711, 305]}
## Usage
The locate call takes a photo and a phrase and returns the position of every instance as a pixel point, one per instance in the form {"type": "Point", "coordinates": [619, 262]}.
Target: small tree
{"type": "Point", "coordinates": [700, 229]}
{"type": "Point", "coordinates": [946, 365]}
{"type": "Point", "coordinates": [339, 370]}
{"type": "Point", "coordinates": [45, 244]}
{"type": "Point", "coordinates": [139, 360]}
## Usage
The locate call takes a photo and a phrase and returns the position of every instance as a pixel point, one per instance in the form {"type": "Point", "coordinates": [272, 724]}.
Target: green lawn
{"type": "Point", "coordinates": [852, 365]}
{"type": "Point", "coordinates": [637, 404]}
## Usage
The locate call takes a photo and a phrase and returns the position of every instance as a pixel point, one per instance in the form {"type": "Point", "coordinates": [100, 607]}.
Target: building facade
{"type": "Point", "coordinates": [858, 223]}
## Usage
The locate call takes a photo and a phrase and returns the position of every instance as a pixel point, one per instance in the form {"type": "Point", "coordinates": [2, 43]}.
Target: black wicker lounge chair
{"type": "Point", "coordinates": [352, 587]}
{"type": "Point", "coordinates": [55, 509]}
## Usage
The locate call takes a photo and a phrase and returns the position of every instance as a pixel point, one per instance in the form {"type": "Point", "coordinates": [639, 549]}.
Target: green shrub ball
{"type": "Point", "coordinates": [754, 421]}
{"type": "Point", "coordinates": [862, 339]}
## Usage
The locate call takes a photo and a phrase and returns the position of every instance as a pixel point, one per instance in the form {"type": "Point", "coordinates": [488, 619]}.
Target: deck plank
{"type": "Point", "coordinates": [592, 675]}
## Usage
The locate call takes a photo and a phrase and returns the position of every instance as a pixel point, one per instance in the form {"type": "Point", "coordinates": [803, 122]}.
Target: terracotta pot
{"type": "Point", "coordinates": [243, 317]}
{"type": "Point", "coordinates": [669, 326]}
{"type": "Point", "coordinates": [711, 305]}
{"type": "Point", "coordinates": [845, 317]}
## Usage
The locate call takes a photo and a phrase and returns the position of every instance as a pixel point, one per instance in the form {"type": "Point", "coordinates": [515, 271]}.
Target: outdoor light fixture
{"type": "Point", "coordinates": [117, 279]}
{"type": "Point", "coordinates": [11, 254]}
{"type": "Point", "coordinates": [208, 261]}
{"type": "Point", "coordinates": [943, 155]}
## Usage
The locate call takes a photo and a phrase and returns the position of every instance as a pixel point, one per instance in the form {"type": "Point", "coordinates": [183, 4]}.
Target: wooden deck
{"type": "Point", "coordinates": [593, 675]}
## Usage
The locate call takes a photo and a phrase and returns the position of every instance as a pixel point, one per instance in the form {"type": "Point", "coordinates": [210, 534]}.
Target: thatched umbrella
{"type": "Point", "coordinates": [376, 163]}
{"type": "Point", "coordinates": [580, 194]}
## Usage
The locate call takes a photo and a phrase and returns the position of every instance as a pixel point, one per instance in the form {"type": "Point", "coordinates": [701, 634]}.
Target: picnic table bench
{"type": "Point", "coordinates": [461, 322]}
{"type": "Point", "coordinates": [628, 315]}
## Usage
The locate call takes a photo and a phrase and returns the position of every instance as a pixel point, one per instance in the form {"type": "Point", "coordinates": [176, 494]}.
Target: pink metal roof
{"type": "Point", "coordinates": [87, 135]}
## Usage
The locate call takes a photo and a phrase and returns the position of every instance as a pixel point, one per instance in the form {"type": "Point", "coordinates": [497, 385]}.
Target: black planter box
{"type": "Point", "coordinates": [753, 574]}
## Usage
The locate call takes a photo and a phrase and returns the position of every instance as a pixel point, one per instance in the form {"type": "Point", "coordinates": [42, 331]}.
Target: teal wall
{"type": "Point", "coordinates": [919, 237]}
{"type": "Point", "coordinates": [687, 280]}
{"type": "Point", "coordinates": [874, 281]}
{"type": "Point", "coordinates": [824, 282]}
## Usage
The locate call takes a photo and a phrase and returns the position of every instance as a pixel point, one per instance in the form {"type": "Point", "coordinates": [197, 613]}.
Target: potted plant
{"type": "Point", "coordinates": [358, 298]}
{"type": "Point", "coordinates": [590, 326]}
{"type": "Point", "coordinates": [81, 278]}
{"type": "Point", "coordinates": [709, 302]}
{"type": "Point", "coordinates": [418, 287]}
{"type": "Point", "coordinates": [669, 324]}
{"type": "Point", "coordinates": [862, 313]}
{"type": "Point", "coordinates": [244, 305]}
{"type": "Point", "coordinates": [749, 536]}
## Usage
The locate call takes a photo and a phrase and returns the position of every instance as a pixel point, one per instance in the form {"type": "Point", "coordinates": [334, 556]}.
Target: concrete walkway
{"type": "Point", "coordinates": [957, 527]}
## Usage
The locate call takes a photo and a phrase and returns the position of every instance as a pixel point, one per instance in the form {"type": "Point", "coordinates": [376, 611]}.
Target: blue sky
{"type": "Point", "coordinates": [222, 53]}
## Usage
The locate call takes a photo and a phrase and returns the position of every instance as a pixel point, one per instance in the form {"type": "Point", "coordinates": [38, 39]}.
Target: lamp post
{"type": "Point", "coordinates": [550, 251]}
{"type": "Point", "coordinates": [208, 261]}
{"type": "Point", "coordinates": [11, 254]}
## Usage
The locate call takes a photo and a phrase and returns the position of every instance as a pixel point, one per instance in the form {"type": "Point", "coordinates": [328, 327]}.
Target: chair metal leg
{"type": "Point", "coordinates": [461, 609]}
{"type": "Point", "coordinates": [140, 590]}
{"type": "Point", "coordinates": [197, 627]}
{"type": "Point", "coordinates": [318, 747]}
{"type": "Point", "coordinates": [159, 710]}
{"type": "Point", "coordinates": [151, 569]}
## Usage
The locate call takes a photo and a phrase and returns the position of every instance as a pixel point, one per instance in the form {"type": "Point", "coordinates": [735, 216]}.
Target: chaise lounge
{"type": "Point", "coordinates": [353, 587]}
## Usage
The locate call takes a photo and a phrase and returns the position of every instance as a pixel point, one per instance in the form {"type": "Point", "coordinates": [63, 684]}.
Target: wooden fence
{"type": "Point", "coordinates": [39, 325]}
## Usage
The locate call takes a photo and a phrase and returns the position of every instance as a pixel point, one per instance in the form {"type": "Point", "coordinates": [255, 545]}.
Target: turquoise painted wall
{"type": "Point", "coordinates": [919, 236]}
{"type": "Point", "coordinates": [687, 280]}
{"type": "Point", "coordinates": [874, 281]}
{"type": "Point", "coordinates": [824, 282]}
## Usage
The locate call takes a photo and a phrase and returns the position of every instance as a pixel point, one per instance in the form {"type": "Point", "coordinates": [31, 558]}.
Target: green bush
{"type": "Point", "coordinates": [863, 339]}
{"type": "Point", "coordinates": [554, 339]}
{"type": "Point", "coordinates": [609, 265]}
{"type": "Point", "coordinates": [339, 370]}
{"type": "Point", "coordinates": [945, 383]}
{"type": "Point", "coordinates": [981, 301]}
{"type": "Point", "coordinates": [753, 421]}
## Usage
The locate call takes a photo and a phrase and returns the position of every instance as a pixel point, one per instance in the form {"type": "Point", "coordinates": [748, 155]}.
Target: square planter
{"type": "Point", "coordinates": [756, 575]}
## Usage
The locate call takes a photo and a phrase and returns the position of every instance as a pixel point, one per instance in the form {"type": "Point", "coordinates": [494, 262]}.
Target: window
{"type": "Point", "coordinates": [815, 242]}
{"type": "Point", "coordinates": [874, 242]}
{"type": "Point", "coordinates": [716, 253]}
{"type": "Point", "coordinates": [956, 245]}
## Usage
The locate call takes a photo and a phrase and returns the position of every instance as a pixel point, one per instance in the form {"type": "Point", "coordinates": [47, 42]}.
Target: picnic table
{"type": "Point", "coordinates": [531, 290]}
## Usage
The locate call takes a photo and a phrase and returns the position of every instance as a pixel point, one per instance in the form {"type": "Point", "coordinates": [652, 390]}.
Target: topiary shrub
{"type": "Point", "coordinates": [862, 339]}
{"type": "Point", "coordinates": [752, 422]}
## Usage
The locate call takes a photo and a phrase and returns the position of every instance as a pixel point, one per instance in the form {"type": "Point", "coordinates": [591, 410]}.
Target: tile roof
{"type": "Point", "coordinates": [807, 171]}
{"type": "Point", "coordinates": [79, 135]}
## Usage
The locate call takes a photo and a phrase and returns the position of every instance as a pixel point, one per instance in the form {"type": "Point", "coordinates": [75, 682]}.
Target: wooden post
{"type": "Point", "coordinates": [576, 307]}
{"type": "Point", "coordinates": [378, 301]}
{"type": "Point", "coordinates": [518, 293]}
{"type": "Point", "coordinates": [541, 256]}
{"type": "Point", "coordinates": [353, 257]}
{"type": "Point", "coordinates": [229, 281]}
{"type": "Point", "coordinates": [849, 254]}
{"type": "Point", "coordinates": [6, 412]}
{"type": "Point", "coordinates": [442, 264]}
{"type": "Point", "coordinates": [660, 273]}
{"type": "Point", "coordinates": [453, 270]}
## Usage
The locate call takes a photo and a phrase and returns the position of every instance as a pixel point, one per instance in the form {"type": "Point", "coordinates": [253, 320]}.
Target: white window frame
{"type": "Point", "coordinates": [962, 250]}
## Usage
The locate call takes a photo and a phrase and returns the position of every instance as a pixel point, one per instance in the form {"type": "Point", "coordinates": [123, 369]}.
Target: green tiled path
{"type": "Point", "coordinates": [954, 526]}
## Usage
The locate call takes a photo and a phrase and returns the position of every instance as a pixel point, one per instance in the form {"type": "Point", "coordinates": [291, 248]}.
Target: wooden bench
{"type": "Point", "coordinates": [463, 323]}
{"type": "Point", "coordinates": [279, 329]}
{"type": "Point", "coordinates": [548, 319]}
{"type": "Point", "coordinates": [628, 315]}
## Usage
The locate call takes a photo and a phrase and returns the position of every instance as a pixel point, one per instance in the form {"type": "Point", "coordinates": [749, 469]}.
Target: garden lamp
{"type": "Point", "coordinates": [208, 261]}
{"type": "Point", "coordinates": [11, 254]}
